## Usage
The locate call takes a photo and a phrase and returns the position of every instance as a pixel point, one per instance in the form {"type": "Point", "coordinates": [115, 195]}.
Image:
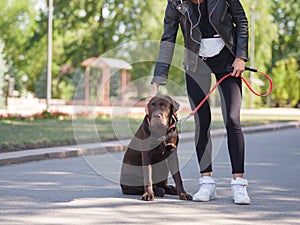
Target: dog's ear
{"type": "Point", "coordinates": [175, 105]}
{"type": "Point", "coordinates": [148, 100]}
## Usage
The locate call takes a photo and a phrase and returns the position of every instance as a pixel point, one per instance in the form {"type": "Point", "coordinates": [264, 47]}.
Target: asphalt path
{"type": "Point", "coordinates": [85, 190]}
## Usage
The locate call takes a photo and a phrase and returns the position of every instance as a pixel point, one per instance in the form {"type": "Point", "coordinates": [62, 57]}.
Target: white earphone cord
{"type": "Point", "coordinates": [193, 26]}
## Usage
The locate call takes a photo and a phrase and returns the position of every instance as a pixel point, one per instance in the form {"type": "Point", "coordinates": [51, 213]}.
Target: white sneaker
{"type": "Point", "coordinates": [207, 190]}
{"type": "Point", "coordinates": [239, 191]}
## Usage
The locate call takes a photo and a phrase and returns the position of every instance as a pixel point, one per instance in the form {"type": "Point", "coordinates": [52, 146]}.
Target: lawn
{"type": "Point", "coordinates": [18, 134]}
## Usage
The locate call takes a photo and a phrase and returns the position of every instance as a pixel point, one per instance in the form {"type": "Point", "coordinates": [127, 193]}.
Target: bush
{"type": "Point", "coordinates": [286, 83]}
{"type": "Point", "coordinates": [43, 115]}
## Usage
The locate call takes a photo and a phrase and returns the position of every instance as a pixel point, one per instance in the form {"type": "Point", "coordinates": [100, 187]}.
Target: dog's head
{"type": "Point", "coordinates": [160, 112]}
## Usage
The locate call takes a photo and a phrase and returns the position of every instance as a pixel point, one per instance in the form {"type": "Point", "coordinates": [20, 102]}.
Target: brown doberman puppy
{"type": "Point", "coordinates": [152, 154]}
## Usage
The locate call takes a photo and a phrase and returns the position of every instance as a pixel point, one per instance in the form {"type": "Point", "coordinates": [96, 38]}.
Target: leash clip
{"type": "Point", "coordinates": [185, 118]}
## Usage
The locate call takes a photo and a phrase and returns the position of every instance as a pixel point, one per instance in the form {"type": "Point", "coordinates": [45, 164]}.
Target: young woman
{"type": "Point", "coordinates": [216, 33]}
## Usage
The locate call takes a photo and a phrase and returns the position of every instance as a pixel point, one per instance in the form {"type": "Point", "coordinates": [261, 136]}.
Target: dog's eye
{"type": "Point", "coordinates": [151, 106]}
{"type": "Point", "coordinates": [163, 106]}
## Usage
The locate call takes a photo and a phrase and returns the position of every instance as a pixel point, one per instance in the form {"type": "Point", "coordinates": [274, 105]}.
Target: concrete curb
{"type": "Point", "coordinates": [114, 146]}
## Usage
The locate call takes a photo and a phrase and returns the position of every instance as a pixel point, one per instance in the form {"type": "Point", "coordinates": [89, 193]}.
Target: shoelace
{"type": "Point", "coordinates": [240, 189]}
{"type": "Point", "coordinates": [204, 188]}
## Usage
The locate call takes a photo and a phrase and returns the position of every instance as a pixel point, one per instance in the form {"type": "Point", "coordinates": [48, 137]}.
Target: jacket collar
{"type": "Point", "coordinates": [211, 6]}
{"type": "Point", "coordinates": [187, 6]}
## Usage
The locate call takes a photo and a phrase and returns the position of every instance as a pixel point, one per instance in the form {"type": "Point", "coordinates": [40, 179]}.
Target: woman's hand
{"type": "Point", "coordinates": [238, 67]}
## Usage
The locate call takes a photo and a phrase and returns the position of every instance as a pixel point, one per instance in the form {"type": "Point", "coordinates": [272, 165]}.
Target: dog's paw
{"type": "Point", "coordinates": [185, 196]}
{"type": "Point", "coordinates": [170, 147]}
{"type": "Point", "coordinates": [159, 192]}
{"type": "Point", "coordinates": [171, 190]}
{"type": "Point", "coordinates": [148, 196]}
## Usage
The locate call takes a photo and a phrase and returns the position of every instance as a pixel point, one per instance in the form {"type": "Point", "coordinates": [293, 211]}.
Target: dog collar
{"type": "Point", "coordinates": [175, 119]}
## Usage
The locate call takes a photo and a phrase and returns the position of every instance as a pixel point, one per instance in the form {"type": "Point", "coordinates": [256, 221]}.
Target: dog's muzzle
{"type": "Point", "coordinates": [158, 130]}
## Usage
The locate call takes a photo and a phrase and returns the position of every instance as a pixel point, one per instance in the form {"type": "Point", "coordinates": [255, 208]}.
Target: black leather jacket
{"type": "Point", "coordinates": [226, 16]}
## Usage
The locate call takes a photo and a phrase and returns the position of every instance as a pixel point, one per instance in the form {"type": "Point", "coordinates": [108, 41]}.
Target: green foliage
{"type": "Point", "coordinates": [16, 25]}
{"type": "Point", "coordinates": [83, 29]}
{"type": "Point", "coordinates": [264, 29]}
{"type": "Point", "coordinates": [3, 70]}
{"type": "Point", "coordinates": [276, 46]}
{"type": "Point", "coordinates": [286, 54]}
{"type": "Point", "coordinates": [287, 83]}
{"type": "Point", "coordinates": [286, 17]}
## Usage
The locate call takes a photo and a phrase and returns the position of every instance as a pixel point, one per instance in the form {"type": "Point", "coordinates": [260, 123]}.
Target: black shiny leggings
{"type": "Point", "coordinates": [198, 85]}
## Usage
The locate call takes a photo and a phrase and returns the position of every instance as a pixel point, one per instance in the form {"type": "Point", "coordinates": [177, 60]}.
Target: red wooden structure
{"type": "Point", "coordinates": [105, 64]}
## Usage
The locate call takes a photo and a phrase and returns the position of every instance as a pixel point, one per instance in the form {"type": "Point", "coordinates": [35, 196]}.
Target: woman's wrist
{"type": "Point", "coordinates": [154, 88]}
{"type": "Point", "coordinates": [241, 58]}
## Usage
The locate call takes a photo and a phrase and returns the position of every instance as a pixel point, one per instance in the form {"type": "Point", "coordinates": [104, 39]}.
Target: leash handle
{"type": "Point", "coordinates": [251, 69]}
{"type": "Point", "coordinates": [244, 80]}
{"type": "Point", "coordinates": [265, 75]}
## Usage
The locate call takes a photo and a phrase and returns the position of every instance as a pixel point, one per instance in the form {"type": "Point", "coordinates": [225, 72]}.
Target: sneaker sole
{"type": "Point", "coordinates": [241, 203]}
{"type": "Point", "coordinates": [205, 200]}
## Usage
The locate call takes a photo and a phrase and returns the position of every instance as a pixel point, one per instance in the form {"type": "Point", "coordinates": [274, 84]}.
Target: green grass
{"type": "Point", "coordinates": [24, 134]}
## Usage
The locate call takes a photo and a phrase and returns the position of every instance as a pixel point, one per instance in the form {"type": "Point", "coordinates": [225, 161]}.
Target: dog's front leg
{"type": "Point", "coordinates": [173, 165]}
{"type": "Point", "coordinates": [147, 175]}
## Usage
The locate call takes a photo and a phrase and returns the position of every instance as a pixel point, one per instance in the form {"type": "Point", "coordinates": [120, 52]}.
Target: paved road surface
{"type": "Point", "coordinates": [84, 190]}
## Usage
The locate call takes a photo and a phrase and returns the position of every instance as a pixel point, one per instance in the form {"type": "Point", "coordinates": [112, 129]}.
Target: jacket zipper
{"type": "Point", "coordinates": [215, 27]}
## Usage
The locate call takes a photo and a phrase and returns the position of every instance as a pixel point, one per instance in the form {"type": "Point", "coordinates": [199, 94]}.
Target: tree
{"type": "Point", "coordinates": [84, 29]}
{"type": "Point", "coordinates": [287, 19]}
{"type": "Point", "coordinates": [286, 55]}
{"type": "Point", "coordinates": [264, 29]}
{"type": "Point", "coordinates": [16, 24]}
{"type": "Point", "coordinates": [3, 70]}
{"type": "Point", "coordinates": [286, 80]}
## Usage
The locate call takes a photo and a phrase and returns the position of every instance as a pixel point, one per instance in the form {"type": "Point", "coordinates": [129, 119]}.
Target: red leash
{"type": "Point", "coordinates": [223, 78]}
